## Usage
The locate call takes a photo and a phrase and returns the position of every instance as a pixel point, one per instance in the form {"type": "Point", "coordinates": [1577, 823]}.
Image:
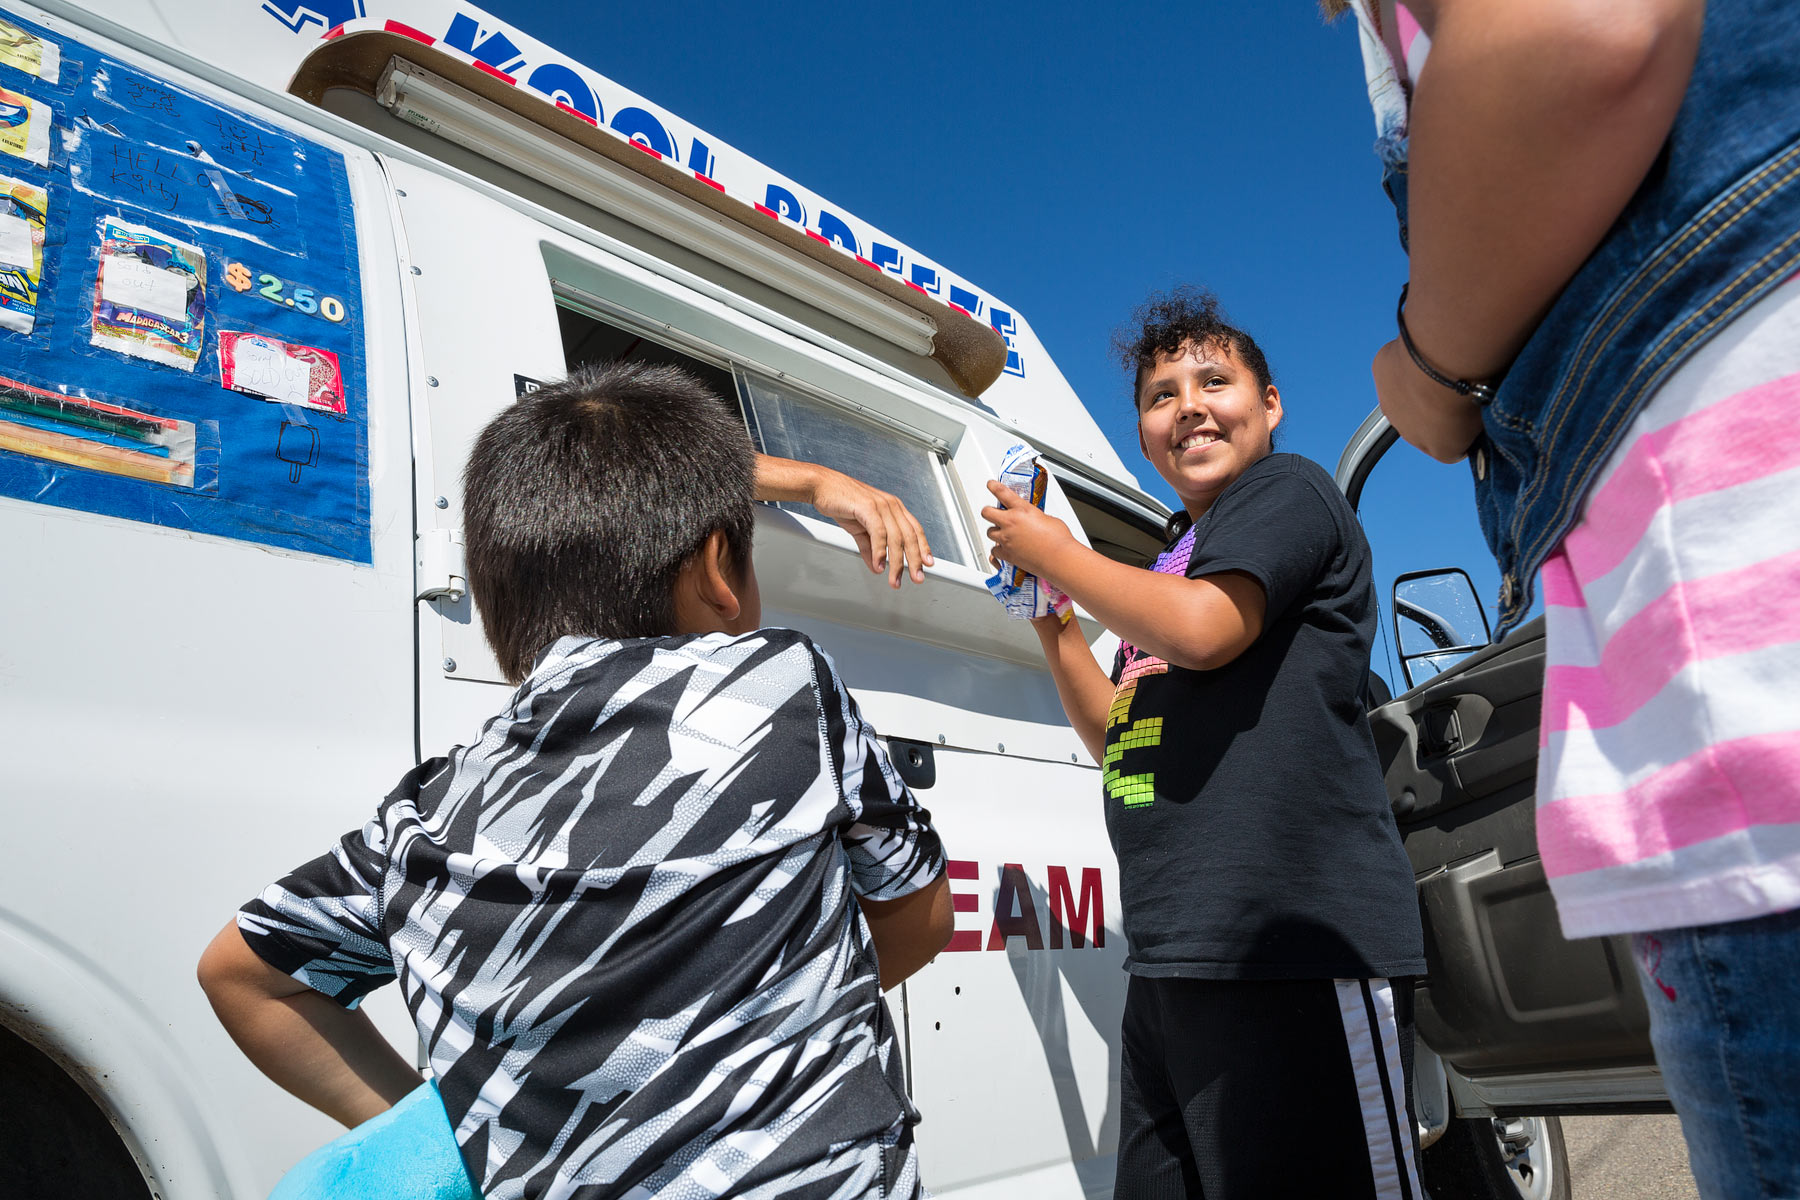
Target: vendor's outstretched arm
{"type": "Point", "coordinates": [888, 536]}
{"type": "Point", "coordinates": [330, 1056]}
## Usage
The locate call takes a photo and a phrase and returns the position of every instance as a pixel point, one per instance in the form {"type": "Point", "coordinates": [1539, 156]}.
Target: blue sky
{"type": "Point", "coordinates": [1071, 158]}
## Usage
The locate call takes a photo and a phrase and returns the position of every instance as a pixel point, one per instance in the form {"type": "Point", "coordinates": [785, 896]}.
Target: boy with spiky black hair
{"type": "Point", "coordinates": [622, 917]}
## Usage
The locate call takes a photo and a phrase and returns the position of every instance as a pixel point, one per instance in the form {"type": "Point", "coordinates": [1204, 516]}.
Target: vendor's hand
{"type": "Point", "coordinates": [1022, 533]}
{"type": "Point", "coordinates": [1427, 414]}
{"type": "Point", "coordinates": [889, 537]}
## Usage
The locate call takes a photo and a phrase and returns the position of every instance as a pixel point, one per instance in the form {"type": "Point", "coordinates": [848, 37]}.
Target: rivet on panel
{"type": "Point", "coordinates": [449, 664]}
{"type": "Point", "coordinates": [431, 380]}
{"type": "Point", "coordinates": [416, 271]}
{"type": "Point", "coordinates": [443, 502]}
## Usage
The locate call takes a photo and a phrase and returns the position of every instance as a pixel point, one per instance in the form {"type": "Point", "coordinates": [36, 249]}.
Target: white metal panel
{"type": "Point", "coordinates": [185, 718]}
{"type": "Point", "coordinates": [482, 310]}
{"type": "Point", "coordinates": [1015, 1048]}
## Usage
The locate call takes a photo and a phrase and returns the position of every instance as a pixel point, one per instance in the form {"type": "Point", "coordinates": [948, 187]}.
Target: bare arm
{"type": "Point", "coordinates": [1200, 624]}
{"type": "Point", "coordinates": [910, 931]}
{"type": "Point", "coordinates": [329, 1056]}
{"type": "Point", "coordinates": [888, 535]}
{"type": "Point", "coordinates": [1085, 689]}
{"type": "Point", "coordinates": [1532, 123]}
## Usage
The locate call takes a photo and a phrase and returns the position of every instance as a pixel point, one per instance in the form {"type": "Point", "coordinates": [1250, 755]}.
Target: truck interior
{"type": "Point", "coordinates": [1507, 995]}
{"type": "Point", "coordinates": [1530, 1022]}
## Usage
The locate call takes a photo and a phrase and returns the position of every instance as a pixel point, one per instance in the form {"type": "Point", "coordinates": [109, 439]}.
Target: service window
{"type": "Point", "coordinates": [589, 341]}
{"type": "Point", "coordinates": [790, 423]}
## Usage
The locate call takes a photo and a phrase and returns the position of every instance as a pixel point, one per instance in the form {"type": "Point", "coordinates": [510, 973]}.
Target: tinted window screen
{"type": "Point", "coordinates": [790, 424]}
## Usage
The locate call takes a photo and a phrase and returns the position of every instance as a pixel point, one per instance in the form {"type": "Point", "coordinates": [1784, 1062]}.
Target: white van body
{"type": "Point", "coordinates": [187, 714]}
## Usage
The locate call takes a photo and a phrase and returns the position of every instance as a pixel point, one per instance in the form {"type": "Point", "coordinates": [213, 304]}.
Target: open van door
{"type": "Point", "coordinates": [1522, 1021]}
{"type": "Point", "coordinates": [1529, 1020]}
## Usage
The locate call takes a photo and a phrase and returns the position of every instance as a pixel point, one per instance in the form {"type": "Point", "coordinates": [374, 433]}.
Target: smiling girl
{"type": "Point", "coordinates": [1269, 908]}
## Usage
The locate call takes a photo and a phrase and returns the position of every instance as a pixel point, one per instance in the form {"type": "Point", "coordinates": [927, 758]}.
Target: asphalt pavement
{"type": "Point", "coordinates": [1627, 1158]}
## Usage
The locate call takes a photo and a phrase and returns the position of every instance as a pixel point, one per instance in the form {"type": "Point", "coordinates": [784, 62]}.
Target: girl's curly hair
{"type": "Point", "coordinates": [1188, 315]}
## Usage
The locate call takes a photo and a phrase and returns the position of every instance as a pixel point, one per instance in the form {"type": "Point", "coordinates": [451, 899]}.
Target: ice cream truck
{"type": "Point", "coordinates": [269, 269]}
{"type": "Point", "coordinates": [265, 269]}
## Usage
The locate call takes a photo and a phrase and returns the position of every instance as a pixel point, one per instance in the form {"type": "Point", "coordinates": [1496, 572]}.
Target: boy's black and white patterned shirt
{"type": "Point", "coordinates": [623, 923]}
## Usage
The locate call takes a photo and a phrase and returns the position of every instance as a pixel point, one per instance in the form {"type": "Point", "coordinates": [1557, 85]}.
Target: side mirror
{"type": "Point", "coordinates": [1438, 622]}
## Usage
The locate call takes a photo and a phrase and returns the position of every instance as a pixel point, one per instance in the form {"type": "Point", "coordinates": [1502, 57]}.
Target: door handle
{"type": "Point", "coordinates": [1440, 732]}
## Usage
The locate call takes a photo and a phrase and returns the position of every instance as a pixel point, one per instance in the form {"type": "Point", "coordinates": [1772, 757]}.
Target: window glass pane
{"type": "Point", "coordinates": [790, 424]}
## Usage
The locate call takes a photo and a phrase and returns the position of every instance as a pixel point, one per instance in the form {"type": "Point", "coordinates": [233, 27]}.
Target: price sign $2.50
{"type": "Point", "coordinates": [280, 291]}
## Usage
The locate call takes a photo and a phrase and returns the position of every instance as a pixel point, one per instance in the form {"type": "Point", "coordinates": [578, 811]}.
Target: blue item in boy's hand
{"type": "Point", "coordinates": [1022, 595]}
{"type": "Point", "coordinates": [408, 1152]}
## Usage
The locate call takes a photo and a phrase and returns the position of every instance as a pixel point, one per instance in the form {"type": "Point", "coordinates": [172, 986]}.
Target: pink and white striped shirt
{"type": "Point", "coordinates": [1669, 763]}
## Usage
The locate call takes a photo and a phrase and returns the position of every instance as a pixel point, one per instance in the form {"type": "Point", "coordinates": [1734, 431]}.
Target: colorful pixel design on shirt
{"type": "Point", "coordinates": [1122, 733]}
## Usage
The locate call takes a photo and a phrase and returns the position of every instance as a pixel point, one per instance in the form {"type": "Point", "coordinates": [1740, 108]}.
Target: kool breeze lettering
{"type": "Point", "coordinates": [564, 86]}
{"type": "Point", "coordinates": [1077, 914]}
{"type": "Point", "coordinates": [560, 83]}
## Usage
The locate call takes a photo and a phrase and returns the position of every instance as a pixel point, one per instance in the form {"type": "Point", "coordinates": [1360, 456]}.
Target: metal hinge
{"type": "Point", "coordinates": [441, 573]}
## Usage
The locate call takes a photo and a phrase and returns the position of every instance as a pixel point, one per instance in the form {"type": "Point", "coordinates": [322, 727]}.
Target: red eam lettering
{"type": "Point", "coordinates": [1077, 913]}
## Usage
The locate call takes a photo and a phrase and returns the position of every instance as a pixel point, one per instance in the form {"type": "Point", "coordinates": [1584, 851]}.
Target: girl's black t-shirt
{"type": "Point", "coordinates": [1246, 803]}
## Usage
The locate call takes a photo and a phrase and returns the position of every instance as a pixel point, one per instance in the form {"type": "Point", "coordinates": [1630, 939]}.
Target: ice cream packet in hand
{"type": "Point", "coordinates": [1023, 595]}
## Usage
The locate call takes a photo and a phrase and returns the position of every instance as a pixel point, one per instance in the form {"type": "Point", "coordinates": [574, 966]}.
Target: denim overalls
{"type": "Point", "coordinates": [1714, 226]}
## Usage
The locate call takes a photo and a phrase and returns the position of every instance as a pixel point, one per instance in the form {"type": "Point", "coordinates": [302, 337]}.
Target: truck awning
{"type": "Point", "coordinates": [374, 56]}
